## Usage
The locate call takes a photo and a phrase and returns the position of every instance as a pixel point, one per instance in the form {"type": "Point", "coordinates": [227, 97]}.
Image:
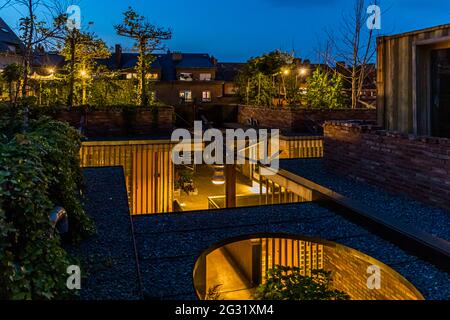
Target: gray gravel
{"type": "Point", "coordinates": [168, 245]}
{"type": "Point", "coordinates": [108, 258]}
{"type": "Point", "coordinates": [429, 219]}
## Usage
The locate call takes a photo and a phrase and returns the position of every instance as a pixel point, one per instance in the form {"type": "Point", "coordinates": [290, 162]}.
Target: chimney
{"type": "Point", "coordinates": [213, 60]}
{"type": "Point", "coordinates": [118, 56]}
{"type": "Point", "coordinates": [177, 56]}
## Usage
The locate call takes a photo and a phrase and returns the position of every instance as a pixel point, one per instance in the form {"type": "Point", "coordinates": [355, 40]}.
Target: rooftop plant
{"type": "Point", "coordinates": [38, 171]}
{"type": "Point", "coordinates": [290, 283]}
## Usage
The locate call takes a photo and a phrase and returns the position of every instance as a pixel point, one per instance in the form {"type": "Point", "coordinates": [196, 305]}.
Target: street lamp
{"type": "Point", "coordinates": [51, 71]}
{"type": "Point", "coordinates": [84, 75]}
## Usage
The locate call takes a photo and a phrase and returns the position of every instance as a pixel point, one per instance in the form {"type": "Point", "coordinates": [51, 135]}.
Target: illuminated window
{"type": "Point", "coordinates": [152, 76]}
{"type": "Point", "coordinates": [185, 76]}
{"type": "Point", "coordinates": [206, 96]}
{"type": "Point", "coordinates": [186, 95]}
{"type": "Point", "coordinates": [205, 76]}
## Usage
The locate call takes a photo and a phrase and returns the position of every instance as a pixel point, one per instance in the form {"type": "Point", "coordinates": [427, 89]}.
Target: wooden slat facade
{"type": "Point", "coordinates": [149, 171]}
{"type": "Point", "coordinates": [403, 78]}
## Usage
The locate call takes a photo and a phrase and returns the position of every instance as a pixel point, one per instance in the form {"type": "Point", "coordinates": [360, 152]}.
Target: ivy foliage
{"type": "Point", "coordinates": [288, 283]}
{"type": "Point", "coordinates": [38, 171]}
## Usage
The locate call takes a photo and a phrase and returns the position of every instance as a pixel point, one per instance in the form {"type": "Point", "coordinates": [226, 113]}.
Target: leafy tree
{"type": "Point", "coordinates": [325, 91]}
{"type": "Point", "coordinates": [265, 77]}
{"type": "Point", "coordinates": [288, 283]}
{"type": "Point", "coordinates": [148, 38]}
{"type": "Point", "coordinates": [12, 75]}
{"type": "Point", "coordinates": [33, 33]}
{"type": "Point", "coordinates": [81, 49]}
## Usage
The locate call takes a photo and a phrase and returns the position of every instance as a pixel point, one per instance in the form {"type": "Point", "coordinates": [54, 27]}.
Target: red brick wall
{"type": "Point", "coordinates": [119, 122]}
{"type": "Point", "coordinates": [295, 119]}
{"type": "Point", "coordinates": [416, 166]}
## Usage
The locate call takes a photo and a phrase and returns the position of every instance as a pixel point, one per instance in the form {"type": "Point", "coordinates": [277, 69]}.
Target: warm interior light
{"type": "Point", "coordinates": [255, 188]}
{"type": "Point", "coordinates": [219, 176]}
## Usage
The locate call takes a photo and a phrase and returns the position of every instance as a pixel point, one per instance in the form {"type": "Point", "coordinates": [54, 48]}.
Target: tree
{"type": "Point", "coordinates": [288, 283]}
{"type": "Point", "coordinates": [33, 33]}
{"type": "Point", "coordinates": [148, 38]}
{"type": "Point", "coordinates": [355, 45]}
{"type": "Point", "coordinates": [81, 49]}
{"type": "Point", "coordinates": [325, 90]}
{"type": "Point", "coordinates": [12, 75]}
{"type": "Point", "coordinates": [263, 78]}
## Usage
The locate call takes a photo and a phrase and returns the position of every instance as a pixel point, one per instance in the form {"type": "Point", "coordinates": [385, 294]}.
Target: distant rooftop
{"type": "Point", "coordinates": [9, 41]}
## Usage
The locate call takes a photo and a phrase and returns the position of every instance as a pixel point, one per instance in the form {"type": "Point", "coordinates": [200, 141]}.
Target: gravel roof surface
{"type": "Point", "coordinates": [429, 219]}
{"type": "Point", "coordinates": [108, 258]}
{"type": "Point", "coordinates": [168, 245]}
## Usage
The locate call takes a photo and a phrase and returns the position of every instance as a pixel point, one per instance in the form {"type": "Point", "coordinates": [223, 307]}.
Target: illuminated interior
{"type": "Point", "coordinates": [153, 181]}
{"type": "Point", "coordinates": [236, 269]}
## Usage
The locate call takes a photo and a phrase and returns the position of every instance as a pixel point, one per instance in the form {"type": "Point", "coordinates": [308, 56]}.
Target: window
{"type": "Point", "coordinates": [185, 76]}
{"type": "Point", "coordinates": [206, 96]}
{"type": "Point", "coordinates": [152, 76]}
{"type": "Point", "coordinates": [205, 76]}
{"type": "Point", "coordinates": [186, 95]}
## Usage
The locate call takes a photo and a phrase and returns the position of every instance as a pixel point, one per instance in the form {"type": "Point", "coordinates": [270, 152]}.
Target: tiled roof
{"type": "Point", "coordinates": [194, 60]}
{"type": "Point", "coordinates": [8, 39]}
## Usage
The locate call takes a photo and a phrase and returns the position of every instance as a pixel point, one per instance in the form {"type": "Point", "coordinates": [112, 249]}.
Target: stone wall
{"type": "Point", "coordinates": [120, 122]}
{"type": "Point", "coordinates": [416, 166]}
{"type": "Point", "coordinates": [293, 119]}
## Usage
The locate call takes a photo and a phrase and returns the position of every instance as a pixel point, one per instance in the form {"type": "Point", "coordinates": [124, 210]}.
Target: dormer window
{"type": "Point", "coordinates": [205, 76]}
{"type": "Point", "coordinates": [185, 76]}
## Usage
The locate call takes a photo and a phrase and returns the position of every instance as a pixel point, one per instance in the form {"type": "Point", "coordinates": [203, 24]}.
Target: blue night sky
{"type": "Point", "coordinates": [235, 30]}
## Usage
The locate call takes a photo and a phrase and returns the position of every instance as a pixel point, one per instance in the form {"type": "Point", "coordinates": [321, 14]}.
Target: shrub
{"type": "Point", "coordinates": [288, 283]}
{"type": "Point", "coordinates": [325, 91]}
{"type": "Point", "coordinates": [38, 170]}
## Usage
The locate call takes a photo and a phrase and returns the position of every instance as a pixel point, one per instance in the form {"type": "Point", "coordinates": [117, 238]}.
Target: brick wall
{"type": "Point", "coordinates": [349, 274]}
{"type": "Point", "coordinates": [119, 122]}
{"type": "Point", "coordinates": [416, 166]}
{"type": "Point", "coordinates": [299, 119]}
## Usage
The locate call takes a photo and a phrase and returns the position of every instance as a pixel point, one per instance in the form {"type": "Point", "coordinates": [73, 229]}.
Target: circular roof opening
{"type": "Point", "coordinates": [291, 268]}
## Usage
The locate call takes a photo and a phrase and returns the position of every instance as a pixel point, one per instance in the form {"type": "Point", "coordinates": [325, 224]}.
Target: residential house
{"type": "Point", "coordinates": [10, 46]}
{"type": "Point", "coordinates": [178, 78]}
{"type": "Point", "coordinates": [10, 51]}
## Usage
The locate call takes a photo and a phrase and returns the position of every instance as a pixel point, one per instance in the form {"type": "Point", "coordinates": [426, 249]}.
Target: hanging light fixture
{"type": "Point", "coordinates": [219, 175]}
